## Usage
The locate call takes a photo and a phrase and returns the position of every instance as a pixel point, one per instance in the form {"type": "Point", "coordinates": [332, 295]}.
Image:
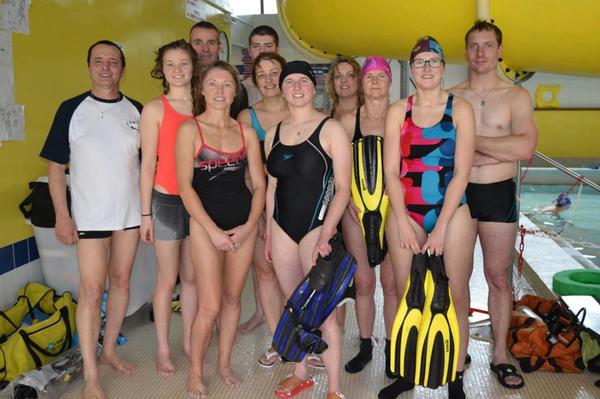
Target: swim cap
{"type": "Point", "coordinates": [427, 44]}
{"type": "Point", "coordinates": [563, 200]}
{"type": "Point", "coordinates": [376, 63]}
{"type": "Point", "coordinates": [302, 67]}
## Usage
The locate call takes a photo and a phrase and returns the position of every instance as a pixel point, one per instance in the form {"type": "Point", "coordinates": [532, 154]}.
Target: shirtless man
{"type": "Point", "coordinates": [506, 133]}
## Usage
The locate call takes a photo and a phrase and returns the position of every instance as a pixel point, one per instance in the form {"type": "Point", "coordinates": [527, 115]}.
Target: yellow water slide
{"type": "Point", "coordinates": [554, 36]}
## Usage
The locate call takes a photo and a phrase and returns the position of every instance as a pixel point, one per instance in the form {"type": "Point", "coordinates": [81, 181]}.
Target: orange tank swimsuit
{"type": "Point", "coordinates": [166, 175]}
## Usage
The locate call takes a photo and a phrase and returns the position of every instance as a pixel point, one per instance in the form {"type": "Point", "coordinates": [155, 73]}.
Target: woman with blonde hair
{"type": "Point", "coordinates": [343, 86]}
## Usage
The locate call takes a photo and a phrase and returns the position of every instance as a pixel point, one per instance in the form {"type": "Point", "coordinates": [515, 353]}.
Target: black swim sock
{"type": "Point", "coordinates": [388, 370]}
{"type": "Point", "coordinates": [455, 388]}
{"type": "Point", "coordinates": [396, 388]}
{"type": "Point", "coordinates": [365, 354]}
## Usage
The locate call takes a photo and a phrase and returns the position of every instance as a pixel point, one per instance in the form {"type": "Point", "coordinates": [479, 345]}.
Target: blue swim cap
{"type": "Point", "coordinates": [427, 44]}
{"type": "Point", "coordinates": [563, 200]}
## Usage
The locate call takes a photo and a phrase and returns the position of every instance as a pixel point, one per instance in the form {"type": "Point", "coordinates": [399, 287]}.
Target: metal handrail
{"type": "Point", "coordinates": [567, 171]}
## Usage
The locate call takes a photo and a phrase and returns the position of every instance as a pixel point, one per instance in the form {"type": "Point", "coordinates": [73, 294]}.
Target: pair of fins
{"type": "Point", "coordinates": [368, 193]}
{"type": "Point", "coordinates": [425, 336]}
{"type": "Point", "coordinates": [316, 297]}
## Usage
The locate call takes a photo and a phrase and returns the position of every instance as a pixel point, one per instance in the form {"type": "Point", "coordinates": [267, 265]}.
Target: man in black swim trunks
{"type": "Point", "coordinates": [506, 133]}
{"type": "Point", "coordinates": [96, 135]}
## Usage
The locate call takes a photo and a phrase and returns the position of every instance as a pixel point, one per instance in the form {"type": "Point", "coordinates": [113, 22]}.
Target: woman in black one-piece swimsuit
{"type": "Point", "coordinates": [213, 152]}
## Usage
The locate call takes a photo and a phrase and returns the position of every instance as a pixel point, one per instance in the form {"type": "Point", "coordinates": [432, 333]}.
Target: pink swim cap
{"type": "Point", "coordinates": [376, 63]}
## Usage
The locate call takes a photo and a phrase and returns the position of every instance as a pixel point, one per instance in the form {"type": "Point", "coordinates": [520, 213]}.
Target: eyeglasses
{"type": "Point", "coordinates": [433, 63]}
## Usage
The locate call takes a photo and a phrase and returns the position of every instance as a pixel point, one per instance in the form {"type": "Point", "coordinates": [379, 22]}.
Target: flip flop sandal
{"type": "Point", "coordinates": [269, 358]}
{"type": "Point", "coordinates": [282, 392]}
{"type": "Point", "coordinates": [315, 362]}
{"type": "Point", "coordinates": [335, 395]}
{"type": "Point", "coordinates": [504, 371]}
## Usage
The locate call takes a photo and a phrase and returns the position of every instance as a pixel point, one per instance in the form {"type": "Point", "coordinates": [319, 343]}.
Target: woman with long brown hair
{"type": "Point", "coordinates": [165, 221]}
{"type": "Point", "coordinates": [213, 152]}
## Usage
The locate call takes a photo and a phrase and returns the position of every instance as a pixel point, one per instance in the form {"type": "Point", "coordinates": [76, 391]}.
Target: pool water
{"type": "Point", "coordinates": [579, 225]}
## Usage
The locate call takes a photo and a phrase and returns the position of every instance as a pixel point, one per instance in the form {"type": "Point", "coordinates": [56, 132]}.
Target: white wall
{"type": "Point", "coordinates": [14, 280]}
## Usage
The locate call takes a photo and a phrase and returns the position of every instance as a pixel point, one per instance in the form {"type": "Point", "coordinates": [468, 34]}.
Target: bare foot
{"type": "Point", "coordinates": [230, 377]}
{"type": "Point", "coordinates": [93, 390]}
{"type": "Point", "coordinates": [113, 360]}
{"type": "Point", "coordinates": [196, 388]}
{"type": "Point", "coordinates": [251, 324]}
{"type": "Point", "coordinates": [164, 366]}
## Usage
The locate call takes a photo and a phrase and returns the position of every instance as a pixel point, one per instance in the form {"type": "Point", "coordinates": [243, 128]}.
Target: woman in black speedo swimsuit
{"type": "Point", "coordinates": [213, 152]}
{"type": "Point", "coordinates": [305, 203]}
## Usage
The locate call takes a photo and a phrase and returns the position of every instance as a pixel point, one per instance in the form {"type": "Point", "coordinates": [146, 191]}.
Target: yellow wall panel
{"type": "Point", "coordinates": [569, 133]}
{"type": "Point", "coordinates": [50, 66]}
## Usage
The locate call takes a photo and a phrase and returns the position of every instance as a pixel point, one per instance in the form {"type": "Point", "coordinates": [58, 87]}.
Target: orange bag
{"type": "Point", "coordinates": [550, 342]}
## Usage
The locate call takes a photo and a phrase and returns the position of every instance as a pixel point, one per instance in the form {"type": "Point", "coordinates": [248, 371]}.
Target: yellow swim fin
{"type": "Point", "coordinates": [405, 330]}
{"type": "Point", "coordinates": [439, 333]}
{"type": "Point", "coordinates": [368, 193]}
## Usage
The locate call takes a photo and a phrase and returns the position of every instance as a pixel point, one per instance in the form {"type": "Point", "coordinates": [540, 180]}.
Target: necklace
{"type": "Point", "coordinates": [481, 98]}
{"type": "Point", "coordinates": [102, 112]}
{"type": "Point", "coordinates": [106, 110]}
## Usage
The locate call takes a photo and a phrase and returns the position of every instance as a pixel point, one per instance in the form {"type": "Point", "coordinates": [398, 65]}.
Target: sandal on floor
{"type": "Point", "coordinates": [504, 371]}
{"type": "Point", "coordinates": [335, 395]}
{"type": "Point", "coordinates": [269, 358]}
{"type": "Point", "coordinates": [298, 386]}
{"type": "Point", "coordinates": [315, 361]}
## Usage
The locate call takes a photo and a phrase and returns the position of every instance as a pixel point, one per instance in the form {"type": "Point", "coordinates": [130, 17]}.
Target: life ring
{"type": "Point", "coordinates": [541, 90]}
{"type": "Point", "coordinates": [577, 282]}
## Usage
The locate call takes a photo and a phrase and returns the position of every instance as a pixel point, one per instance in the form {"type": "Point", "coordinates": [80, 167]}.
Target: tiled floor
{"type": "Point", "coordinates": [258, 383]}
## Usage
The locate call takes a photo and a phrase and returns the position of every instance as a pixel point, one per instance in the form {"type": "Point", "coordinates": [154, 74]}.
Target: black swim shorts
{"type": "Point", "coordinates": [493, 202]}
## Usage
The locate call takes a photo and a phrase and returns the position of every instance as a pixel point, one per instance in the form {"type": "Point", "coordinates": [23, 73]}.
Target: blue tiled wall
{"type": "Point", "coordinates": [18, 254]}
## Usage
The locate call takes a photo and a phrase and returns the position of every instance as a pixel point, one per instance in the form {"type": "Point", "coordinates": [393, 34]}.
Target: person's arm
{"type": "Point", "coordinates": [336, 141]}
{"type": "Point", "coordinates": [391, 171]}
{"type": "Point", "coordinates": [257, 185]}
{"type": "Point", "coordinates": [480, 159]}
{"type": "Point", "coordinates": [464, 119]}
{"type": "Point", "coordinates": [149, 131]}
{"type": "Point", "coordinates": [244, 117]}
{"type": "Point", "coordinates": [185, 149]}
{"type": "Point", "coordinates": [520, 144]}
{"type": "Point", "coordinates": [269, 196]}
{"type": "Point", "coordinates": [65, 228]}
{"type": "Point", "coordinates": [57, 151]}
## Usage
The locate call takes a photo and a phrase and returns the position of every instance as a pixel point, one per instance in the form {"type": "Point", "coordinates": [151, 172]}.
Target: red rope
{"type": "Point", "coordinates": [578, 181]}
{"type": "Point", "coordinates": [522, 232]}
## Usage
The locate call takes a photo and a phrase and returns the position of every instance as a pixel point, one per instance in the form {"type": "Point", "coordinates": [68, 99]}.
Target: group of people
{"type": "Point", "coordinates": [224, 188]}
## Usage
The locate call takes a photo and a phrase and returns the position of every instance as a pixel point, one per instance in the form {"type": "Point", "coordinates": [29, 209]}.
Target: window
{"type": "Point", "coordinates": [252, 7]}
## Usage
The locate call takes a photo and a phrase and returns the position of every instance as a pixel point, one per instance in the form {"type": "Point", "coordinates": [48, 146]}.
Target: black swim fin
{"type": "Point", "coordinates": [439, 334]}
{"type": "Point", "coordinates": [368, 193]}
{"type": "Point", "coordinates": [405, 331]}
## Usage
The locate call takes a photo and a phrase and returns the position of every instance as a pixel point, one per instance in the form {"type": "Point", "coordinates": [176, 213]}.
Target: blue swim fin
{"type": "Point", "coordinates": [315, 298]}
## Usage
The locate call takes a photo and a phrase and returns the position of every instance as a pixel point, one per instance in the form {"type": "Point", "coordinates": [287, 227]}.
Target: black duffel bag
{"type": "Point", "coordinates": [38, 205]}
